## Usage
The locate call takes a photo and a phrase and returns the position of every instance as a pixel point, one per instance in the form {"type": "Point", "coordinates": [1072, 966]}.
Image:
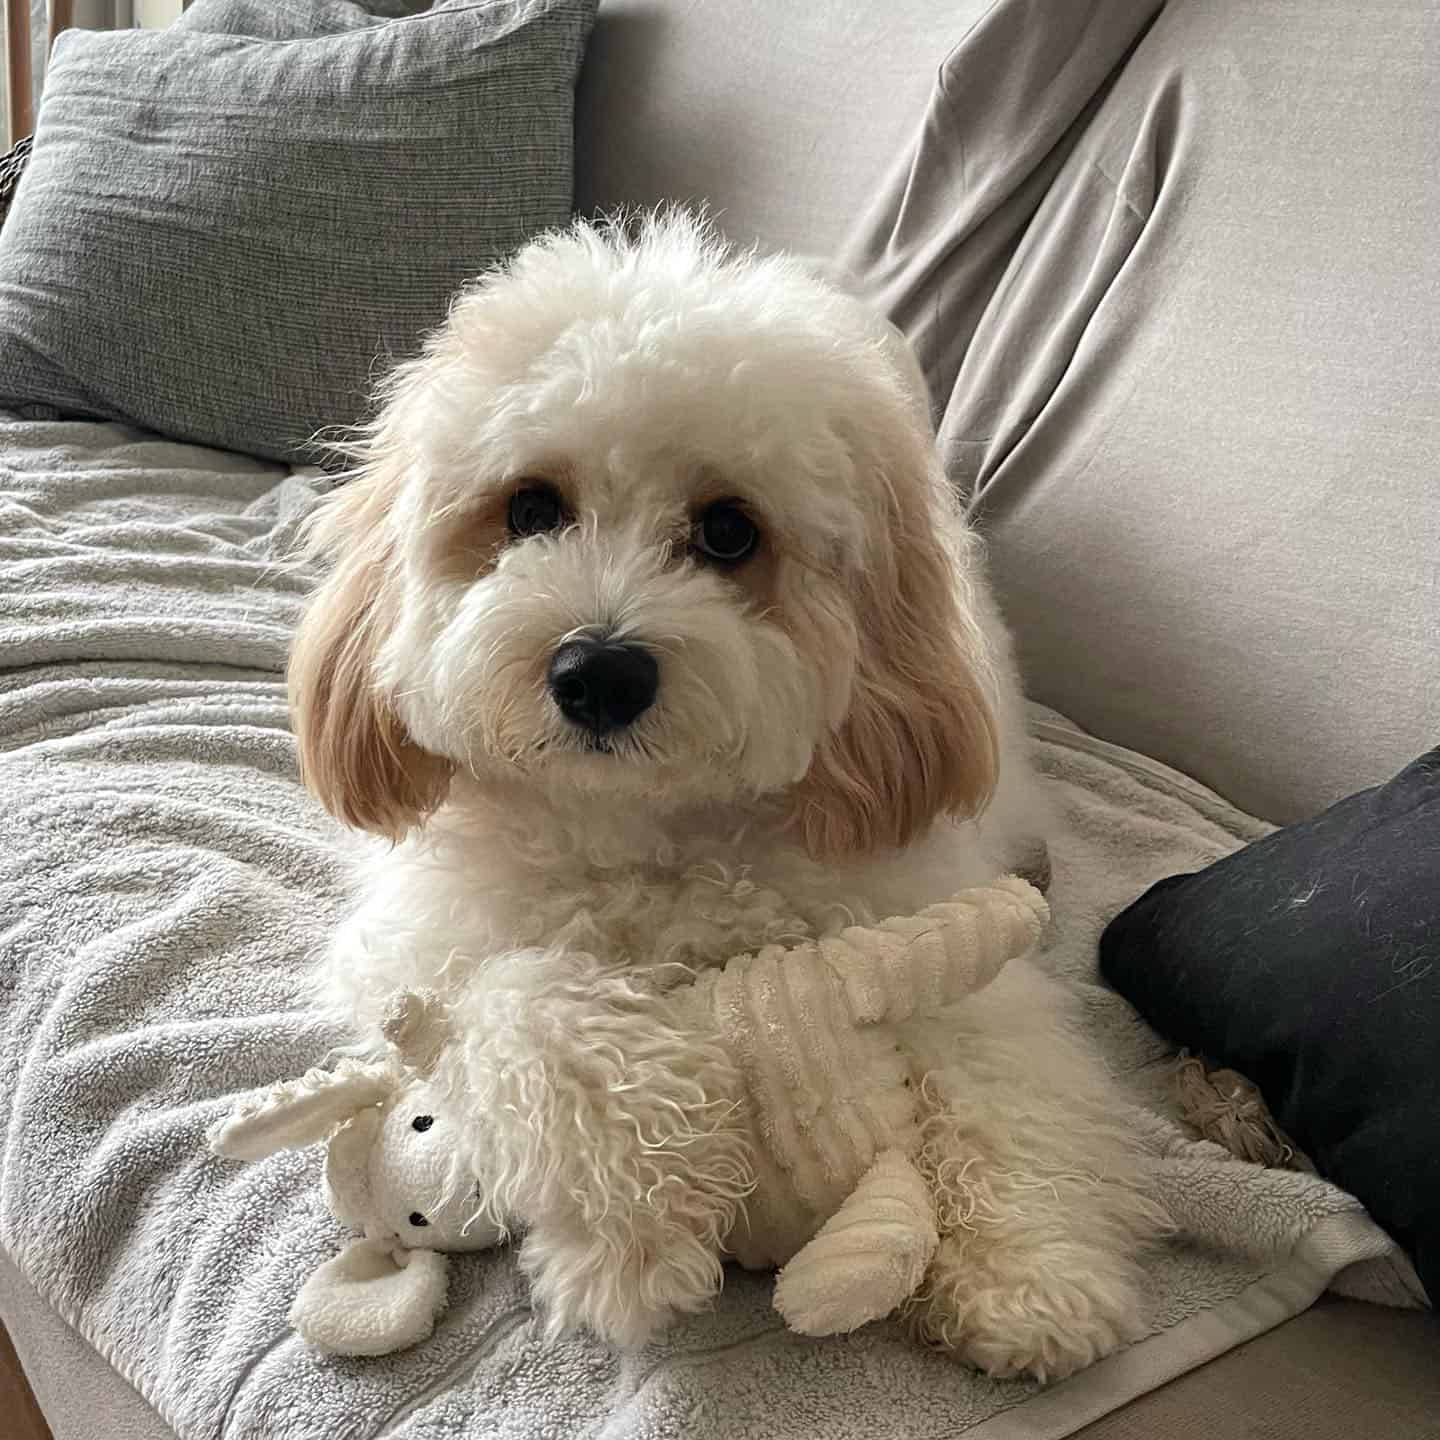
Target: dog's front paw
{"type": "Point", "coordinates": [623, 1295]}
{"type": "Point", "coordinates": [1047, 1330]}
{"type": "Point", "coordinates": [1046, 1323]}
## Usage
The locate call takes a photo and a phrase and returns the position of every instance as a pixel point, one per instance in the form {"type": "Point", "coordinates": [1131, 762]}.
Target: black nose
{"type": "Point", "coordinates": [601, 684]}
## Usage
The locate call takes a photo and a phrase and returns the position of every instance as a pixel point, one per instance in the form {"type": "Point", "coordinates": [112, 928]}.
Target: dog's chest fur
{"type": "Point", "coordinates": [470, 891]}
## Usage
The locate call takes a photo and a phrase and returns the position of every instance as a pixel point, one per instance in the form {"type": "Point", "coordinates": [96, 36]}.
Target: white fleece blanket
{"type": "Point", "coordinates": [163, 883]}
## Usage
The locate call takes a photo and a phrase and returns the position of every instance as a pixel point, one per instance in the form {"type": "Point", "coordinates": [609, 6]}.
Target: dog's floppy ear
{"type": "Point", "coordinates": [355, 752]}
{"type": "Point", "coordinates": [919, 739]}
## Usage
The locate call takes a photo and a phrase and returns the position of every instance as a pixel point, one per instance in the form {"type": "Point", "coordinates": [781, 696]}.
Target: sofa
{"type": "Point", "coordinates": [1170, 270]}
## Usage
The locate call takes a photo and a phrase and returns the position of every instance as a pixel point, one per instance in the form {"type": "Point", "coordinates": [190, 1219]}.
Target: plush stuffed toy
{"type": "Point", "coordinates": [835, 1107]}
{"type": "Point", "coordinates": [391, 1173]}
{"type": "Point", "coordinates": [766, 1111]}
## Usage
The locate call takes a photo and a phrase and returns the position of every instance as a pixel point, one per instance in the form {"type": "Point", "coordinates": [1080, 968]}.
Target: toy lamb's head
{"type": "Point", "coordinates": [392, 1172]}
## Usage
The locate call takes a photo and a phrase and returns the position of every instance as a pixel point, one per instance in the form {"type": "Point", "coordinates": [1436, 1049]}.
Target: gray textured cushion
{"type": "Point", "coordinates": [227, 239]}
{"type": "Point", "coordinates": [1194, 397]}
{"type": "Point", "coordinates": [291, 19]}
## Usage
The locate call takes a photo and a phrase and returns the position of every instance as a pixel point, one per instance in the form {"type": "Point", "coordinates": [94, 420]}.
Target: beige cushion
{"type": "Point", "coordinates": [1340, 1371]}
{"type": "Point", "coordinates": [1197, 405]}
{"type": "Point", "coordinates": [782, 117]}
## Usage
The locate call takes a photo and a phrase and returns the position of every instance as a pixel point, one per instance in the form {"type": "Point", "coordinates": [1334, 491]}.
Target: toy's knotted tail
{"type": "Point", "coordinates": [914, 963]}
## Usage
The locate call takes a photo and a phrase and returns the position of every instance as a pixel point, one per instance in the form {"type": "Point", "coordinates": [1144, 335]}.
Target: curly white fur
{"type": "Point", "coordinates": [612, 1126]}
{"type": "Point", "coordinates": [836, 737]}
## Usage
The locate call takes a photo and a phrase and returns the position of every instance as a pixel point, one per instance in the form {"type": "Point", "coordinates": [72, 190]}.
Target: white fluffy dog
{"type": "Point", "coordinates": [654, 634]}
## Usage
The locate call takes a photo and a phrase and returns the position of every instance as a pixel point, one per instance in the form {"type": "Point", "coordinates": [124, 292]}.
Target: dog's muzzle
{"type": "Point", "coordinates": [602, 685]}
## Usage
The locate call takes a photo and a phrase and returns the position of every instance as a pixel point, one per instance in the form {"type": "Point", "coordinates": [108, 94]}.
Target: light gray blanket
{"type": "Point", "coordinates": [164, 881]}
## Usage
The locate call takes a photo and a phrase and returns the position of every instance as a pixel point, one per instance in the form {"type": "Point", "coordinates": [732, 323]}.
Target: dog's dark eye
{"type": "Point", "coordinates": [422, 1122]}
{"type": "Point", "coordinates": [724, 532]}
{"type": "Point", "coordinates": [535, 509]}
{"type": "Point", "coordinates": [417, 1219]}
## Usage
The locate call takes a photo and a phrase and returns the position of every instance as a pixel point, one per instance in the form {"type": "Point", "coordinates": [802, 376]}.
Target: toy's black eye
{"type": "Point", "coordinates": [417, 1219]}
{"type": "Point", "coordinates": [535, 509]}
{"type": "Point", "coordinates": [725, 533]}
{"type": "Point", "coordinates": [422, 1122]}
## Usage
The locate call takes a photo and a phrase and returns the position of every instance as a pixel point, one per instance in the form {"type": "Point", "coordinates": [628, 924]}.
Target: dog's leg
{"type": "Point", "coordinates": [1042, 1208]}
{"type": "Point", "coordinates": [608, 1123]}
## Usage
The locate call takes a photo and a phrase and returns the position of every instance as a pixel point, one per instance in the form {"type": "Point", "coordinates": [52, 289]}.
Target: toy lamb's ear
{"type": "Point", "coordinates": [301, 1112]}
{"type": "Point", "coordinates": [371, 1299]}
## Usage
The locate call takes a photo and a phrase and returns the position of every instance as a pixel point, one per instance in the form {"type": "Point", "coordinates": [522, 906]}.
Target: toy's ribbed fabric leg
{"type": "Point", "coordinates": [868, 1258]}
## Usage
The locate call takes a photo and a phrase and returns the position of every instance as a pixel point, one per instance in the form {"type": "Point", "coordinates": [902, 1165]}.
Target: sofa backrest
{"type": "Point", "coordinates": [1175, 284]}
{"type": "Point", "coordinates": [782, 116]}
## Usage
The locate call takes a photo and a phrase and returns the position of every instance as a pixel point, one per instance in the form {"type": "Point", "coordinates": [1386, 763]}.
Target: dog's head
{"type": "Point", "coordinates": [655, 521]}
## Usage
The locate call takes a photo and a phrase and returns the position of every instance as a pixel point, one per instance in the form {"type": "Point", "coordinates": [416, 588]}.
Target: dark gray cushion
{"type": "Point", "coordinates": [1310, 962]}
{"type": "Point", "coordinates": [227, 238]}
